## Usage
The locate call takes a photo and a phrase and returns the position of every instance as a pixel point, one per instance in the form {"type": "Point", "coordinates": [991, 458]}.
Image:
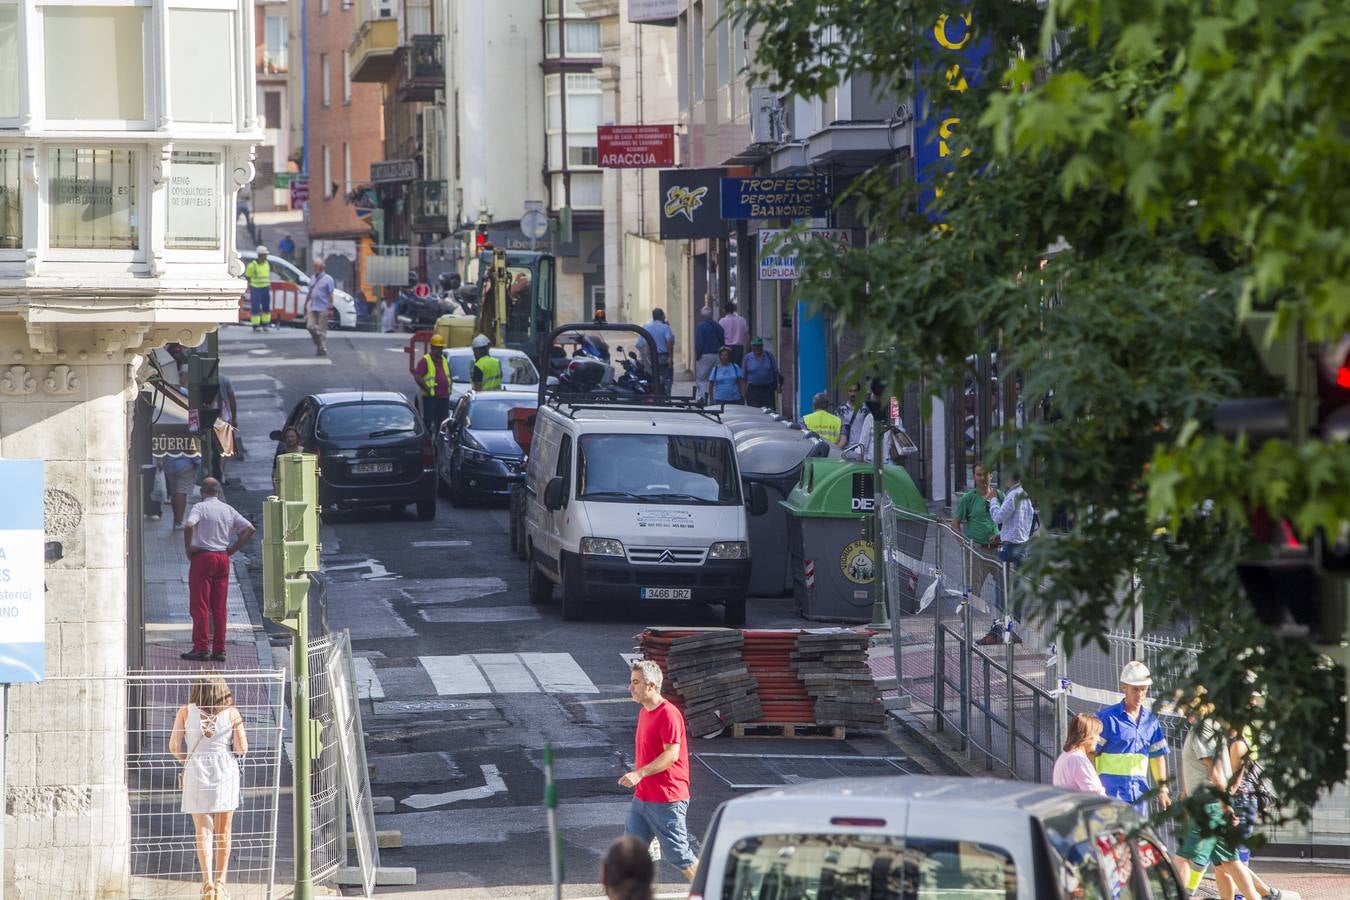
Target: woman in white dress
{"type": "Point", "coordinates": [204, 732]}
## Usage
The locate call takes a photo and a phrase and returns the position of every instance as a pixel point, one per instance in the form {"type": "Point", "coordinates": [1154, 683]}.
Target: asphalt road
{"type": "Point", "coordinates": [464, 682]}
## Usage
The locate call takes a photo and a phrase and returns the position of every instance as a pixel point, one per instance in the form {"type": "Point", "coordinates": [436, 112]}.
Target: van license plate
{"type": "Point", "coordinates": [372, 468]}
{"type": "Point", "coordinates": [666, 593]}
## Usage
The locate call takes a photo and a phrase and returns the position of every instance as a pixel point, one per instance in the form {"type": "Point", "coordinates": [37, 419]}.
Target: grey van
{"type": "Point", "coordinates": [916, 837]}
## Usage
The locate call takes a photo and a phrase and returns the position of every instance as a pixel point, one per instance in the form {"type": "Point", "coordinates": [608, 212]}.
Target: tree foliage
{"type": "Point", "coordinates": [1193, 158]}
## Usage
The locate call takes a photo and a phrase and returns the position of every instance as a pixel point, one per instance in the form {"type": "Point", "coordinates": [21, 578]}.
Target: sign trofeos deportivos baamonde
{"type": "Point", "coordinates": [22, 618]}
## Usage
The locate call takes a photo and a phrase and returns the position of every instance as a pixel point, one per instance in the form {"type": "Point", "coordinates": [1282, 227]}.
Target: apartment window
{"type": "Point", "coordinates": [109, 83]}
{"type": "Point", "coordinates": [323, 7]}
{"type": "Point", "coordinates": [417, 18]}
{"type": "Point", "coordinates": [11, 200]}
{"type": "Point", "coordinates": [200, 43]}
{"type": "Point", "coordinates": [723, 27]}
{"type": "Point", "coordinates": [193, 221]}
{"type": "Point", "coordinates": [92, 198]}
{"type": "Point", "coordinates": [583, 101]}
{"type": "Point", "coordinates": [696, 55]}
{"type": "Point", "coordinates": [346, 78]}
{"type": "Point", "coordinates": [327, 174]}
{"type": "Point", "coordinates": [9, 61]}
{"type": "Point", "coordinates": [272, 109]}
{"type": "Point", "coordinates": [274, 44]}
{"type": "Point", "coordinates": [346, 169]}
{"type": "Point", "coordinates": [323, 78]}
{"type": "Point", "coordinates": [567, 31]}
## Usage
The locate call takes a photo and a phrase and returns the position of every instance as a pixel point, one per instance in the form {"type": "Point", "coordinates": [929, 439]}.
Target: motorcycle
{"type": "Point", "coordinates": [635, 378]}
{"type": "Point", "coordinates": [415, 313]}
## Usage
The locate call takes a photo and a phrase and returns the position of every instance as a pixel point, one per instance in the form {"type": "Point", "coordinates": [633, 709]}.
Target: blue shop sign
{"type": "Point", "coordinates": [960, 53]}
{"type": "Point", "coordinates": [777, 197]}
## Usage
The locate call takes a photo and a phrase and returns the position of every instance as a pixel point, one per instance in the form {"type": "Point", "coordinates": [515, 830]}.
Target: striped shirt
{"type": "Point", "coordinates": [1126, 747]}
{"type": "Point", "coordinates": [1014, 516]}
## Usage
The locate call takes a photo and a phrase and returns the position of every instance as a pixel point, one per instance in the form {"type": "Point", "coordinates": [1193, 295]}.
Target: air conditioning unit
{"type": "Point", "coordinates": [765, 116]}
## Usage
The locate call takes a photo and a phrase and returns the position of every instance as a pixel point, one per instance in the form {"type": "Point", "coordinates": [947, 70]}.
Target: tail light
{"type": "Point", "coordinates": [857, 822]}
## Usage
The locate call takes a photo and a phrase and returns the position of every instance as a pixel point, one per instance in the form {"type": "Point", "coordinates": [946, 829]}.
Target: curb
{"type": "Point", "coordinates": [261, 645]}
{"type": "Point", "coordinates": [915, 731]}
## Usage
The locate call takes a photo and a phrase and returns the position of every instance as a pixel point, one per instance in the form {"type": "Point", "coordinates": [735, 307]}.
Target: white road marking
{"type": "Point", "coordinates": [376, 569]}
{"type": "Point", "coordinates": [255, 376]}
{"type": "Point", "coordinates": [630, 658]}
{"type": "Point", "coordinates": [436, 545]}
{"type": "Point", "coordinates": [454, 675]}
{"type": "Point", "coordinates": [558, 673]}
{"type": "Point", "coordinates": [507, 673]}
{"type": "Point", "coordinates": [232, 363]}
{"type": "Point", "coordinates": [368, 685]}
{"type": "Point", "coordinates": [493, 784]}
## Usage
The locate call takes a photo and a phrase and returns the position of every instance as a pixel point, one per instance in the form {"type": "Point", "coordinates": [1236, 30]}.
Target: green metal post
{"type": "Point", "coordinates": [880, 614]}
{"type": "Point", "coordinates": [304, 875]}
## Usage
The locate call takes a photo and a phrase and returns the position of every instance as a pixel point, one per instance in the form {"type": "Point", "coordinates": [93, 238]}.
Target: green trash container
{"type": "Point", "coordinates": [832, 561]}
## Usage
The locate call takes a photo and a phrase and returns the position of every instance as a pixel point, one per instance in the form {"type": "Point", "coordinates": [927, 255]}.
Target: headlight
{"type": "Point", "coordinates": [601, 547]}
{"type": "Point", "coordinates": [729, 550]}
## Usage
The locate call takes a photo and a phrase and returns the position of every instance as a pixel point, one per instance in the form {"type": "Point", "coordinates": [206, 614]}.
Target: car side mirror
{"type": "Point", "coordinates": [552, 381]}
{"type": "Point", "coordinates": [553, 493]}
{"type": "Point", "coordinates": [759, 499]}
{"type": "Point", "coordinates": [275, 435]}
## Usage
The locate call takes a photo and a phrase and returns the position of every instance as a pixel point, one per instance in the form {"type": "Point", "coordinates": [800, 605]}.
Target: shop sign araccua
{"type": "Point", "coordinates": [636, 146]}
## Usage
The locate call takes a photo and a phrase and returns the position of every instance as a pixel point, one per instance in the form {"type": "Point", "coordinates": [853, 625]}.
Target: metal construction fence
{"type": "Point", "coordinates": [103, 815]}
{"type": "Point", "coordinates": [1006, 694]}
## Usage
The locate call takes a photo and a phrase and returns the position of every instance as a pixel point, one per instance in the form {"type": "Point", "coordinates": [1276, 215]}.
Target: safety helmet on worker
{"type": "Point", "coordinates": [481, 342]}
{"type": "Point", "coordinates": [438, 340]}
{"type": "Point", "coordinates": [261, 250]}
{"type": "Point", "coordinates": [1136, 674]}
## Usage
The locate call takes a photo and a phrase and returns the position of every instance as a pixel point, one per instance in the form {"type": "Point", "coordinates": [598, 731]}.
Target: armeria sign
{"type": "Point", "coordinates": [23, 625]}
{"type": "Point", "coordinates": [636, 146]}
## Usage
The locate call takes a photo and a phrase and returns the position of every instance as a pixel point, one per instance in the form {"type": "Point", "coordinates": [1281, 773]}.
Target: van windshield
{"type": "Point", "coordinates": [657, 468]}
{"type": "Point", "coordinates": [867, 867]}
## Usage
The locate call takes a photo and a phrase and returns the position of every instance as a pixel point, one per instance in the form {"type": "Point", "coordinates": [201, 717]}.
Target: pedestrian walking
{"type": "Point", "coordinates": [287, 247]}
{"type": "Point", "coordinates": [762, 378]}
{"type": "Point", "coordinates": [726, 381]}
{"type": "Point", "coordinates": [735, 333]}
{"type": "Point", "coordinates": [180, 476]}
{"type": "Point", "coordinates": [290, 443]}
{"type": "Point", "coordinates": [258, 272]}
{"type": "Point", "coordinates": [821, 420]}
{"type": "Point", "coordinates": [660, 778]}
{"type": "Point", "coordinates": [1206, 773]}
{"type": "Point", "coordinates": [1249, 798]}
{"type": "Point", "coordinates": [318, 305]}
{"type": "Point", "coordinates": [857, 425]}
{"type": "Point", "coordinates": [433, 374]}
{"type": "Point", "coordinates": [627, 871]}
{"type": "Point", "coordinates": [972, 519]}
{"type": "Point", "coordinates": [209, 741]}
{"type": "Point", "coordinates": [1074, 769]}
{"type": "Point", "coordinates": [708, 342]}
{"type": "Point", "coordinates": [663, 368]}
{"type": "Point", "coordinates": [1016, 518]}
{"type": "Point", "coordinates": [1133, 743]}
{"type": "Point", "coordinates": [214, 532]}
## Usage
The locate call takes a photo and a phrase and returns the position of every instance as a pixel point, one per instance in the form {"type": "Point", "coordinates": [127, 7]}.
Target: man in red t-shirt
{"type": "Point", "coordinates": [661, 778]}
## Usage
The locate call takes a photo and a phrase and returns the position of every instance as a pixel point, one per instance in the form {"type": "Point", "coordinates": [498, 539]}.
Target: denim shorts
{"type": "Point", "coordinates": [665, 822]}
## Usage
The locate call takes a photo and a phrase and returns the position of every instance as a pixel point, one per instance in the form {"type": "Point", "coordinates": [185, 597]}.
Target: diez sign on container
{"type": "Point", "coordinates": [776, 197]}
{"type": "Point", "coordinates": [23, 626]}
{"type": "Point", "coordinates": [636, 146]}
{"type": "Point", "coordinates": [778, 263]}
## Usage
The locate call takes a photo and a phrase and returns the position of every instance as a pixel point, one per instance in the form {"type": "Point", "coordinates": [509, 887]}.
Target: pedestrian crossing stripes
{"type": "Point", "coordinates": [487, 673]}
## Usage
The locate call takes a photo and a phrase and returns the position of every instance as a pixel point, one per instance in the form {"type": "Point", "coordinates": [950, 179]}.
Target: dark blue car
{"type": "Point", "coordinates": [476, 454]}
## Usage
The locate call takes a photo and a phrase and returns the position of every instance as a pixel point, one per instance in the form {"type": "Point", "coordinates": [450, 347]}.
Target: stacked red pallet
{"type": "Point", "coordinates": [768, 656]}
{"type": "Point", "coordinates": [705, 675]}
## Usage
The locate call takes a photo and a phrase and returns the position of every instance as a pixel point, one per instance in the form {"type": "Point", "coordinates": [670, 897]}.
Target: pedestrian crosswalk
{"type": "Point", "coordinates": [473, 674]}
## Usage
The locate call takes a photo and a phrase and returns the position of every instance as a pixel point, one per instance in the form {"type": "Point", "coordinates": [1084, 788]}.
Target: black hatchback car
{"type": "Point", "coordinates": [372, 447]}
{"type": "Point", "coordinates": [476, 454]}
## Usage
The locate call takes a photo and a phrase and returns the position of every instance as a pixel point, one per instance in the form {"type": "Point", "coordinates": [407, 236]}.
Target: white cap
{"type": "Point", "coordinates": [1136, 674]}
{"type": "Point", "coordinates": [260, 249]}
{"type": "Point", "coordinates": [481, 341]}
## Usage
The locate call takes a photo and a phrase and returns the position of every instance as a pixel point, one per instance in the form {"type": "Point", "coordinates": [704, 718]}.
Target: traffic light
{"type": "Point", "coordinates": [203, 379]}
{"type": "Point", "coordinates": [290, 536]}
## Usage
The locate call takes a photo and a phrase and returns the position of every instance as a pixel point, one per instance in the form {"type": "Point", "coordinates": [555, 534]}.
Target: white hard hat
{"type": "Point", "coordinates": [481, 341]}
{"type": "Point", "coordinates": [261, 250]}
{"type": "Point", "coordinates": [1136, 674]}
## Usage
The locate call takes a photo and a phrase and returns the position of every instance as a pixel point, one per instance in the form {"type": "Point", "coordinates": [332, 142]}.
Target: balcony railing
{"type": "Point", "coordinates": [372, 50]}
{"type": "Point", "coordinates": [421, 67]}
{"type": "Point", "coordinates": [274, 61]}
{"type": "Point", "coordinates": [430, 207]}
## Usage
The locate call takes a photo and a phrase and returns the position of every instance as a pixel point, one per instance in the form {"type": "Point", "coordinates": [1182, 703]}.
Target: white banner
{"type": "Point", "coordinates": [776, 265]}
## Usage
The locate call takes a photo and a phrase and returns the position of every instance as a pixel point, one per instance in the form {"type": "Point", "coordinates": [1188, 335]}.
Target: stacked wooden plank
{"type": "Point", "coordinates": [783, 696]}
{"type": "Point", "coordinates": [705, 676]}
{"type": "Point", "coordinates": [832, 665]}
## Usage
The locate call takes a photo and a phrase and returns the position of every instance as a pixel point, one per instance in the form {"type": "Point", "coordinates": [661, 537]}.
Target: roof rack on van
{"type": "Point", "coordinates": [569, 404]}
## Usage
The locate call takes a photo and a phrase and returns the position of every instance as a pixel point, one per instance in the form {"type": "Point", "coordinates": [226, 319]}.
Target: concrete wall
{"type": "Point", "coordinates": [67, 835]}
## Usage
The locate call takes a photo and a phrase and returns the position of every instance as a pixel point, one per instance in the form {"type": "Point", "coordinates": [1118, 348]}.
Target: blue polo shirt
{"type": "Point", "coordinates": [1126, 747]}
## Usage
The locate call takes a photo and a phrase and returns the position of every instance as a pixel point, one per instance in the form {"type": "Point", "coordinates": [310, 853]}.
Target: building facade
{"type": "Point", "coordinates": [126, 133]}
{"type": "Point", "coordinates": [277, 65]}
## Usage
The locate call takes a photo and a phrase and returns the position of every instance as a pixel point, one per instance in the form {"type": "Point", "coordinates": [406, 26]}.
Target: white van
{"type": "Point", "coordinates": [640, 504]}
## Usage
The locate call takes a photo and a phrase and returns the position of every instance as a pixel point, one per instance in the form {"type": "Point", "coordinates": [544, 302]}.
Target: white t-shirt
{"type": "Point", "coordinates": [215, 524]}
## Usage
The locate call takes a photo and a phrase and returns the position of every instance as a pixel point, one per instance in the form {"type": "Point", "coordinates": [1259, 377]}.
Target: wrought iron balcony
{"type": "Point", "coordinates": [421, 67]}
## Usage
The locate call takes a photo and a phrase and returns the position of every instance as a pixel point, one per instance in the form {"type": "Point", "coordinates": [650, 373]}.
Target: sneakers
{"type": "Point", "coordinates": [195, 656]}
{"type": "Point", "coordinates": [993, 638]}
{"type": "Point", "coordinates": [218, 657]}
{"type": "Point", "coordinates": [1275, 894]}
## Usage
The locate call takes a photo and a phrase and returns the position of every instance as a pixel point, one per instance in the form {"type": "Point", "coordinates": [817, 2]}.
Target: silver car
{"type": "Point", "coordinates": [916, 836]}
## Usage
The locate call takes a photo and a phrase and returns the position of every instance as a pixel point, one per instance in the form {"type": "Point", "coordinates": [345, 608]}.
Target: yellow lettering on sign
{"type": "Point", "coordinates": [955, 80]}
{"type": "Point", "coordinates": [940, 32]}
{"type": "Point", "coordinates": [945, 131]}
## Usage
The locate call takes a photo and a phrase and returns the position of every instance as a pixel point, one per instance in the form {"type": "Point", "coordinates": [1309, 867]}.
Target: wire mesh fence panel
{"type": "Point", "coordinates": [170, 849]}
{"type": "Point", "coordinates": [349, 737]}
{"type": "Point", "coordinates": [328, 832]}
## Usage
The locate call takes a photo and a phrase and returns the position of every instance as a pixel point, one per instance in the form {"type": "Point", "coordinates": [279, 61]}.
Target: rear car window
{"type": "Point", "coordinates": [867, 867]}
{"type": "Point", "coordinates": [364, 420]}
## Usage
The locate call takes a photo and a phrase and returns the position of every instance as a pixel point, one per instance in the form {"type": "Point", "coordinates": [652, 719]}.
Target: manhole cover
{"type": "Point", "coordinates": [745, 771]}
{"type": "Point", "coordinates": [409, 707]}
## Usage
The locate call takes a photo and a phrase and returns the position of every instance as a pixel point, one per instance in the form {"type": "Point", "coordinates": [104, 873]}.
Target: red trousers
{"type": "Point", "coordinates": [208, 587]}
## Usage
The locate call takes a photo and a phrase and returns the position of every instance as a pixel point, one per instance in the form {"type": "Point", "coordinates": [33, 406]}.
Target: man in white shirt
{"type": "Point", "coordinates": [214, 531]}
{"type": "Point", "coordinates": [1015, 517]}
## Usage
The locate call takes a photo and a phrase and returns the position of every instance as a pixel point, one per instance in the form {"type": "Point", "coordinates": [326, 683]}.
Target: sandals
{"type": "Point", "coordinates": [220, 891]}
{"type": "Point", "coordinates": [209, 891]}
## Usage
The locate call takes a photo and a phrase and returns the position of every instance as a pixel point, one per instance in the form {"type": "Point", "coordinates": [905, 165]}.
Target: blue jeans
{"type": "Point", "coordinates": [665, 822]}
{"type": "Point", "coordinates": [1012, 554]}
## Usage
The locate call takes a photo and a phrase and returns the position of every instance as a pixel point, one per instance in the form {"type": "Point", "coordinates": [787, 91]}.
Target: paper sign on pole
{"type": "Point", "coordinates": [22, 582]}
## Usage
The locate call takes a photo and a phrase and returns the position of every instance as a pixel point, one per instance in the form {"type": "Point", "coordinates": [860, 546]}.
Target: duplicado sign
{"type": "Point", "coordinates": [636, 146]}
